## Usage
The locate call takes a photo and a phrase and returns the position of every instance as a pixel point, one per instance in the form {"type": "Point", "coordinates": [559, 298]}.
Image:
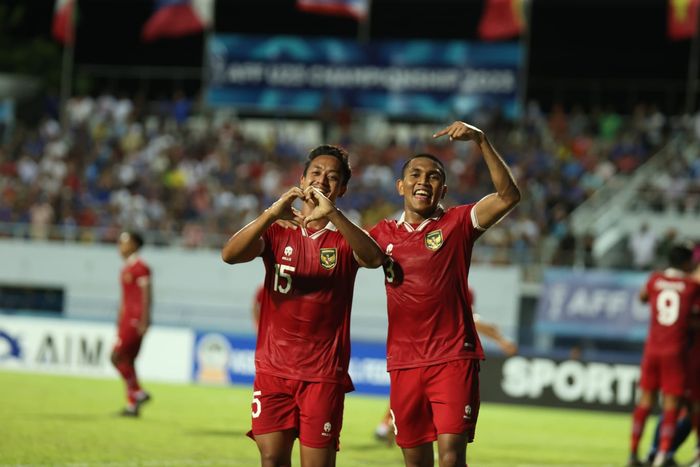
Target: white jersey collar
{"type": "Point", "coordinates": [402, 220]}
{"type": "Point", "coordinates": [329, 226]}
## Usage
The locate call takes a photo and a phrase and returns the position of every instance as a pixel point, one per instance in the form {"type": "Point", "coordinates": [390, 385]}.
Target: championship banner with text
{"type": "Point", "coordinates": [230, 359]}
{"type": "Point", "coordinates": [412, 78]}
{"type": "Point", "coordinates": [593, 303]}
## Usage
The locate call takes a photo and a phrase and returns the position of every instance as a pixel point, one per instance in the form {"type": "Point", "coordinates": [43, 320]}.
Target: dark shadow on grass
{"type": "Point", "coordinates": [210, 432]}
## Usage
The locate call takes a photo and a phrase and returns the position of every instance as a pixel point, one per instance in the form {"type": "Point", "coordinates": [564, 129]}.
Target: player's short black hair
{"type": "Point", "coordinates": [427, 156]}
{"type": "Point", "coordinates": [333, 151]}
{"type": "Point", "coordinates": [680, 256]}
{"type": "Point", "coordinates": [136, 238]}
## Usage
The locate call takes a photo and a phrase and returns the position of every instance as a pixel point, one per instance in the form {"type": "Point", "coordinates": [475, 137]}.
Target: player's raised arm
{"type": "Point", "coordinates": [494, 333]}
{"type": "Point", "coordinates": [496, 205]}
{"type": "Point", "coordinates": [247, 243]}
{"type": "Point", "coordinates": [367, 252]}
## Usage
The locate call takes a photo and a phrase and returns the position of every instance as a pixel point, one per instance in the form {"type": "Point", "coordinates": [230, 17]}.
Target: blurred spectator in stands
{"type": "Point", "coordinates": [609, 123]}
{"type": "Point", "coordinates": [181, 107]}
{"type": "Point", "coordinates": [642, 247]}
{"type": "Point", "coordinates": [565, 253]}
{"type": "Point", "coordinates": [664, 245]}
{"type": "Point", "coordinates": [587, 243]}
{"type": "Point", "coordinates": [41, 215]}
{"type": "Point", "coordinates": [525, 234]}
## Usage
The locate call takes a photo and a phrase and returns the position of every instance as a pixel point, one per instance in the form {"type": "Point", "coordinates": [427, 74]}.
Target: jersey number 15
{"type": "Point", "coordinates": [282, 272]}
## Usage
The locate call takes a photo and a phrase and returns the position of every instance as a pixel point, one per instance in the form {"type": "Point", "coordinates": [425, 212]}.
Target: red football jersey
{"type": "Point", "coordinates": [134, 275]}
{"type": "Point", "coordinates": [672, 295]}
{"type": "Point", "coordinates": [428, 298]}
{"type": "Point", "coordinates": [304, 331]}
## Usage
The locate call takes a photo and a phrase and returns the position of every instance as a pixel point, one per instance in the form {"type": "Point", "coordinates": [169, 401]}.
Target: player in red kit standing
{"type": "Point", "coordinates": [303, 346]}
{"type": "Point", "coordinates": [133, 320]}
{"type": "Point", "coordinates": [433, 349]}
{"type": "Point", "coordinates": [671, 295]}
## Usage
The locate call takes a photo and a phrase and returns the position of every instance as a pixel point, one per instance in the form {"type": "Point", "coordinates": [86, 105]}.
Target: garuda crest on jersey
{"type": "Point", "coordinates": [433, 240]}
{"type": "Point", "coordinates": [328, 257]}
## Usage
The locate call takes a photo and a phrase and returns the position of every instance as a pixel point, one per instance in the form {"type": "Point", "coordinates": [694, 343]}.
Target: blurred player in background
{"type": "Point", "coordinates": [303, 345]}
{"type": "Point", "coordinates": [433, 350]}
{"type": "Point", "coordinates": [385, 431]}
{"type": "Point", "coordinates": [133, 319]}
{"type": "Point", "coordinates": [671, 295]}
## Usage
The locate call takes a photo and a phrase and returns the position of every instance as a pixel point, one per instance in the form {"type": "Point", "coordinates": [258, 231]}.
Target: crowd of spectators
{"type": "Point", "coordinates": [193, 179]}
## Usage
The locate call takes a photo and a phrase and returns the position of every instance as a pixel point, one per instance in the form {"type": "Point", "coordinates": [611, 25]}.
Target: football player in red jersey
{"type": "Point", "coordinates": [303, 345]}
{"type": "Point", "coordinates": [385, 431]}
{"type": "Point", "coordinates": [433, 350]}
{"type": "Point", "coordinates": [671, 295]}
{"type": "Point", "coordinates": [133, 319]}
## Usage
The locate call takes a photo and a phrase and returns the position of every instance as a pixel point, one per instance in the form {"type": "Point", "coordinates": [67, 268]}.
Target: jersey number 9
{"type": "Point", "coordinates": [667, 307]}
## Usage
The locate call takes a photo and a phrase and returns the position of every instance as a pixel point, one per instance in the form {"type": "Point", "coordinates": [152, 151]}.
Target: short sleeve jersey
{"type": "Point", "coordinates": [304, 331]}
{"type": "Point", "coordinates": [428, 297]}
{"type": "Point", "coordinates": [672, 295]}
{"type": "Point", "coordinates": [134, 275]}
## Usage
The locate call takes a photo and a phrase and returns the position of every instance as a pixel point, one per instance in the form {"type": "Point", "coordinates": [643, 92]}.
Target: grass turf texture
{"type": "Point", "coordinates": [58, 420]}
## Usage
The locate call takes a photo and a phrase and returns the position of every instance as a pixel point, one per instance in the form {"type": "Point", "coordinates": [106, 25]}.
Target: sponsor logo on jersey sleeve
{"type": "Point", "coordinates": [433, 240]}
{"type": "Point", "coordinates": [329, 257]}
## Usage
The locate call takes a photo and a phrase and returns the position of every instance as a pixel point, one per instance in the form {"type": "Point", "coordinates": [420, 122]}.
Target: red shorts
{"type": "Point", "coordinates": [314, 410]}
{"type": "Point", "coordinates": [433, 400]}
{"type": "Point", "coordinates": [128, 344]}
{"type": "Point", "coordinates": [665, 372]}
{"type": "Point", "coordinates": [693, 381]}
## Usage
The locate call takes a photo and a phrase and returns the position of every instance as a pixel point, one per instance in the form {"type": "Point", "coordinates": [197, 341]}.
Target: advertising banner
{"type": "Point", "coordinates": [84, 348]}
{"type": "Point", "coordinates": [559, 383]}
{"type": "Point", "coordinates": [230, 359]}
{"type": "Point", "coordinates": [593, 304]}
{"type": "Point", "coordinates": [414, 78]}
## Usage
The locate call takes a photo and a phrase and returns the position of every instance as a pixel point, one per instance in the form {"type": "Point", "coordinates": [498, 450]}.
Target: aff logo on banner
{"type": "Point", "coordinates": [592, 303]}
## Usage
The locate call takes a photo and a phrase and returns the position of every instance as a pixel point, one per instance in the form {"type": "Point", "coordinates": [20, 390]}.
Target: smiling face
{"type": "Point", "coordinates": [325, 174]}
{"type": "Point", "coordinates": [422, 187]}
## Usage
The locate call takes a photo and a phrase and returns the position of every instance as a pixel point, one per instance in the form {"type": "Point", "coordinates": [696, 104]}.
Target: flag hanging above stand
{"type": "Point", "coordinates": [177, 18]}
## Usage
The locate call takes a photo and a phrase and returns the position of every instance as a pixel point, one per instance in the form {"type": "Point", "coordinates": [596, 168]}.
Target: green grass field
{"type": "Point", "coordinates": [56, 420]}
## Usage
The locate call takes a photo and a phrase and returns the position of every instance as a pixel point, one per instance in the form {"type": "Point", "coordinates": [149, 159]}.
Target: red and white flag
{"type": "Point", "coordinates": [176, 18]}
{"type": "Point", "coordinates": [502, 19]}
{"type": "Point", "coordinates": [358, 9]}
{"type": "Point", "coordinates": [62, 27]}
